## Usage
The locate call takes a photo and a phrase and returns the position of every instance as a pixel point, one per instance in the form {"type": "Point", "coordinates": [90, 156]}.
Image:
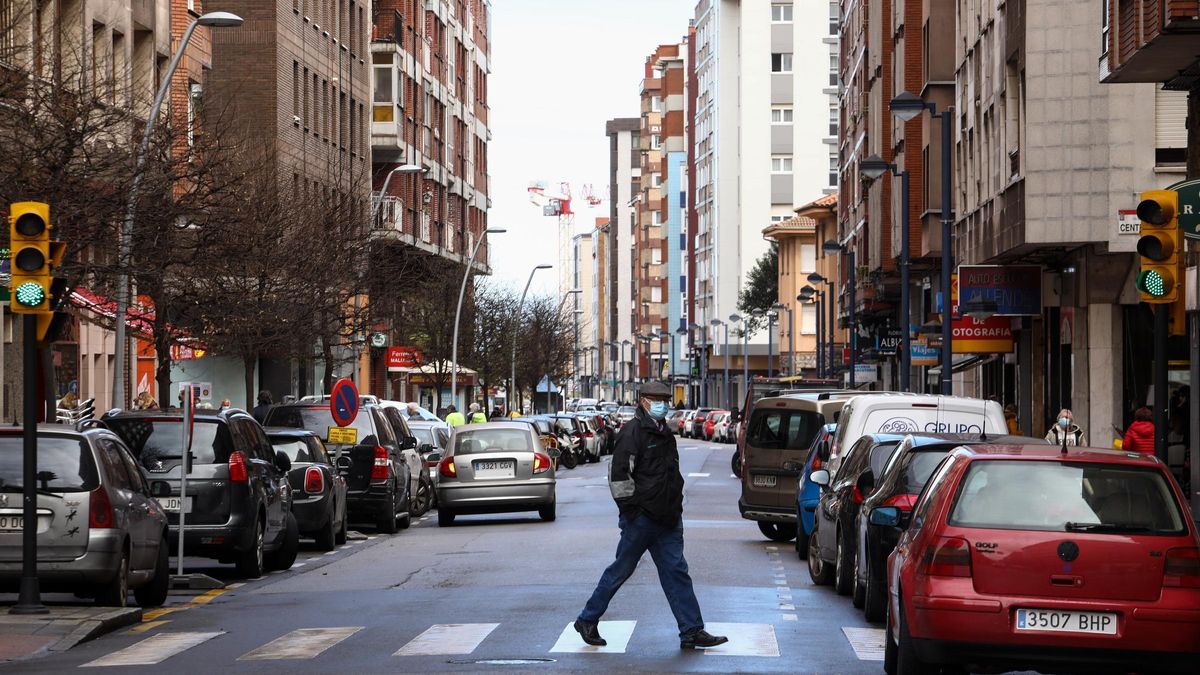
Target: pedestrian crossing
{"type": "Point", "coordinates": [461, 639]}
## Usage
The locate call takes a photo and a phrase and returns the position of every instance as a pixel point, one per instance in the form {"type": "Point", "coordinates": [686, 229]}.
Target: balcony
{"type": "Point", "coordinates": [1160, 46]}
{"type": "Point", "coordinates": [390, 227]}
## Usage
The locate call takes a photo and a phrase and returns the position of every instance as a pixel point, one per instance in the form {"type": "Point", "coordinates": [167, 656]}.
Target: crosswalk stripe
{"type": "Point", "coordinates": [616, 633]}
{"type": "Point", "coordinates": [447, 639]}
{"type": "Point", "coordinates": [304, 643]}
{"type": "Point", "coordinates": [698, 475]}
{"type": "Point", "coordinates": [152, 650]}
{"type": "Point", "coordinates": [866, 642]}
{"type": "Point", "coordinates": [745, 639]}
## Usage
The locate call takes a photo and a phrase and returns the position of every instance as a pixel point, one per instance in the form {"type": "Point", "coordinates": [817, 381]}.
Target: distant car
{"type": "Point", "coordinates": [673, 420]}
{"type": "Point", "coordinates": [239, 500]}
{"type": "Point", "coordinates": [608, 407]}
{"type": "Point", "coordinates": [495, 467]}
{"type": "Point", "coordinates": [695, 428]}
{"type": "Point", "coordinates": [626, 413]}
{"type": "Point", "coordinates": [425, 414]}
{"type": "Point", "coordinates": [100, 531]}
{"type": "Point", "coordinates": [318, 489]}
{"type": "Point", "coordinates": [808, 493]}
{"type": "Point", "coordinates": [1039, 557]}
{"type": "Point", "coordinates": [710, 423]}
{"type": "Point", "coordinates": [432, 438]}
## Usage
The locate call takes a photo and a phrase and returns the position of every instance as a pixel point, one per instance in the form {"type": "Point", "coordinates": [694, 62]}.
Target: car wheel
{"type": "Point", "coordinates": [419, 504]}
{"type": "Point", "coordinates": [568, 459]}
{"type": "Point", "coordinates": [907, 661]}
{"type": "Point", "coordinates": [327, 536]}
{"type": "Point", "coordinates": [405, 521]}
{"type": "Point", "coordinates": [858, 594]}
{"type": "Point", "coordinates": [802, 538]}
{"type": "Point", "coordinates": [250, 562]}
{"type": "Point", "coordinates": [115, 593]}
{"type": "Point", "coordinates": [735, 463]}
{"type": "Point", "coordinates": [843, 566]}
{"type": "Point", "coordinates": [445, 517]}
{"type": "Point", "coordinates": [777, 531]}
{"type": "Point", "coordinates": [343, 530]}
{"type": "Point", "coordinates": [819, 571]}
{"type": "Point", "coordinates": [547, 513]}
{"type": "Point", "coordinates": [889, 645]}
{"type": "Point", "coordinates": [874, 602]}
{"type": "Point", "coordinates": [154, 593]}
{"type": "Point", "coordinates": [283, 557]}
{"type": "Point", "coordinates": [387, 517]}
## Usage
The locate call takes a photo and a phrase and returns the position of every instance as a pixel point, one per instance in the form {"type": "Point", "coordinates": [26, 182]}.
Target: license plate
{"type": "Point", "coordinates": [171, 504]}
{"type": "Point", "coordinates": [1057, 621]}
{"type": "Point", "coordinates": [495, 469]}
{"type": "Point", "coordinates": [11, 523]}
{"type": "Point", "coordinates": [760, 480]}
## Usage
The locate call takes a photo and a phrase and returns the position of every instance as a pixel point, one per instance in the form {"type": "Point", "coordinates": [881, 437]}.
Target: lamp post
{"type": "Point", "coordinates": [737, 318]}
{"type": "Point", "coordinates": [826, 362]}
{"type": "Point", "coordinates": [848, 250]}
{"type": "Point", "coordinates": [725, 381]}
{"type": "Point", "coordinates": [703, 357]}
{"type": "Point", "coordinates": [645, 340]}
{"type": "Point", "coordinates": [512, 382]}
{"type": "Point", "coordinates": [557, 312]}
{"type": "Point", "coordinates": [760, 315]}
{"type": "Point", "coordinates": [125, 250]}
{"type": "Point", "coordinates": [624, 369]}
{"type": "Point", "coordinates": [462, 291]}
{"type": "Point", "coordinates": [907, 106]}
{"type": "Point", "coordinates": [873, 167]}
{"type": "Point", "coordinates": [810, 294]}
{"type": "Point", "coordinates": [771, 316]}
{"type": "Point", "coordinates": [405, 169]}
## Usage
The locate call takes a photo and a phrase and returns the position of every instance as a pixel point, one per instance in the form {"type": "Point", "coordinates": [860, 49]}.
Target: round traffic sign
{"type": "Point", "coordinates": [343, 402]}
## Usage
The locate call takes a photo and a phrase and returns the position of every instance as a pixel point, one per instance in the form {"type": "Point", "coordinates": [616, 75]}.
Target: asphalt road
{"type": "Point", "coordinates": [498, 593]}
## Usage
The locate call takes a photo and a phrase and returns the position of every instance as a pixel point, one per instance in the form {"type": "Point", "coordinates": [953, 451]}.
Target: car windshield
{"type": "Point", "coordinates": [492, 440]}
{"type": "Point", "coordinates": [1066, 497]}
{"type": "Point", "coordinates": [64, 465]}
{"type": "Point", "coordinates": [319, 420]}
{"type": "Point", "coordinates": [626, 410]}
{"type": "Point", "coordinates": [152, 439]}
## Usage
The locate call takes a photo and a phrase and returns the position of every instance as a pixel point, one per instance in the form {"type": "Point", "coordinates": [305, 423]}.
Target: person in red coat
{"type": "Point", "coordinates": [1139, 437]}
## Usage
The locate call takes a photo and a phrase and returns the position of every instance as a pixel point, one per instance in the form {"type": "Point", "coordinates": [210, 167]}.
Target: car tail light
{"type": "Point", "coordinates": [948, 557]}
{"type": "Point", "coordinates": [817, 463]}
{"type": "Point", "coordinates": [379, 470]}
{"type": "Point", "coordinates": [100, 510]}
{"type": "Point", "coordinates": [237, 467]}
{"type": "Point", "coordinates": [541, 463]}
{"type": "Point", "coordinates": [314, 480]}
{"type": "Point", "coordinates": [857, 495]}
{"type": "Point", "coordinates": [446, 468]}
{"type": "Point", "coordinates": [1182, 569]}
{"type": "Point", "coordinates": [429, 463]}
{"type": "Point", "coordinates": [901, 501]}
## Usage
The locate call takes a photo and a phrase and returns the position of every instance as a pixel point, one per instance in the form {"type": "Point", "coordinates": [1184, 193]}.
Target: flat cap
{"type": "Point", "coordinates": [655, 389]}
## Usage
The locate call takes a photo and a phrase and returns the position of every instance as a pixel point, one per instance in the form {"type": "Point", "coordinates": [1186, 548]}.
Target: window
{"type": "Point", "coordinates": [833, 119]}
{"type": "Point", "coordinates": [777, 429]}
{"type": "Point", "coordinates": [384, 91]}
{"type": "Point", "coordinates": [808, 258]}
{"type": "Point", "coordinates": [655, 104]}
{"type": "Point", "coordinates": [778, 218]}
{"type": "Point", "coordinates": [1105, 27]}
{"type": "Point", "coordinates": [833, 169]}
{"type": "Point", "coordinates": [833, 18]}
{"type": "Point", "coordinates": [655, 142]}
{"type": "Point", "coordinates": [781, 164]}
{"type": "Point", "coordinates": [808, 319]}
{"type": "Point", "coordinates": [782, 62]}
{"type": "Point", "coordinates": [781, 115]}
{"type": "Point", "coordinates": [781, 13]}
{"type": "Point", "coordinates": [833, 69]}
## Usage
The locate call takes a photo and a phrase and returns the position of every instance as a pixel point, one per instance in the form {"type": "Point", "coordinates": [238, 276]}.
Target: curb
{"type": "Point", "coordinates": [93, 628]}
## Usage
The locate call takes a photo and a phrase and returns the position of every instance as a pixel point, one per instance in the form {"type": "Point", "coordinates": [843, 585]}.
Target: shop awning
{"type": "Point", "coordinates": [965, 363]}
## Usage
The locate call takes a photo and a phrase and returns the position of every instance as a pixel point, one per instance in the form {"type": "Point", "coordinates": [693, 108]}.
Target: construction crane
{"type": "Point", "coordinates": [558, 203]}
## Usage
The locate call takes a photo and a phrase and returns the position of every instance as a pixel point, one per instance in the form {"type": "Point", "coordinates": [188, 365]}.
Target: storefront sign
{"type": "Point", "coordinates": [992, 335]}
{"type": "Point", "coordinates": [1016, 289]}
{"type": "Point", "coordinates": [430, 379]}
{"type": "Point", "coordinates": [185, 353]}
{"type": "Point", "coordinates": [1189, 207]}
{"type": "Point", "coordinates": [888, 343]}
{"type": "Point", "coordinates": [399, 358]}
{"type": "Point", "coordinates": [924, 355]}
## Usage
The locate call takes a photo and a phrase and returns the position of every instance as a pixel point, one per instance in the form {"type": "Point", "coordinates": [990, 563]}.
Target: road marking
{"type": "Point", "coordinates": [152, 650]}
{"type": "Point", "coordinates": [789, 617]}
{"type": "Point", "coordinates": [616, 633]}
{"type": "Point", "coordinates": [327, 552]}
{"type": "Point", "coordinates": [867, 642]}
{"type": "Point", "coordinates": [447, 638]}
{"type": "Point", "coordinates": [698, 475]}
{"type": "Point", "coordinates": [772, 548]}
{"type": "Point", "coordinates": [745, 639]}
{"type": "Point", "coordinates": [781, 582]}
{"type": "Point", "coordinates": [148, 626]}
{"type": "Point", "coordinates": [789, 607]}
{"type": "Point", "coordinates": [304, 643]}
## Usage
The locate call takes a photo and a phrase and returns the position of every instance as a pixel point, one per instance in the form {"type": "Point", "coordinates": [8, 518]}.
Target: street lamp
{"type": "Point", "coordinates": [810, 294]}
{"type": "Point", "coordinates": [462, 291]}
{"type": "Point", "coordinates": [714, 323]}
{"type": "Point", "coordinates": [512, 382]}
{"type": "Point", "coordinates": [403, 168]}
{"type": "Point", "coordinates": [210, 20]}
{"type": "Point", "coordinates": [703, 363]}
{"type": "Point", "coordinates": [737, 318]}
{"type": "Point", "coordinates": [771, 316]}
{"type": "Point", "coordinates": [831, 247]}
{"type": "Point", "coordinates": [907, 106]}
{"type": "Point", "coordinates": [624, 370]}
{"type": "Point", "coordinates": [557, 313]}
{"type": "Point", "coordinates": [829, 338]}
{"type": "Point", "coordinates": [873, 167]}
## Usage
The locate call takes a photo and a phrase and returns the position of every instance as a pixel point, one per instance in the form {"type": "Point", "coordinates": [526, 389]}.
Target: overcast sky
{"type": "Point", "coordinates": [560, 69]}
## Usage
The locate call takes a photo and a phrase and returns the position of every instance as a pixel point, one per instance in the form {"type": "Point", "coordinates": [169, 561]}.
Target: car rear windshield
{"type": "Point", "coordinates": [318, 420]}
{"type": "Point", "coordinates": [64, 465]}
{"type": "Point", "coordinates": [784, 429]}
{"type": "Point", "coordinates": [492, 440]}
{"type": "Point", "coordinates": [153, 439]}
{"type": "Point", "coordinates": [918, 466]}
{"type": "Point", "coordinates": [1067, 497]}
{"type": "Point", "coordinates": [298, 450]}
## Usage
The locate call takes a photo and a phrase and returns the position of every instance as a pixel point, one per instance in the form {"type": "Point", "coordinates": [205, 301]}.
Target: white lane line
{"type": "Point", "coordinates": [745, 639]}
{"type": "Point", "coordinates": [781, 582]}
{"type": "Point", "coordinates": [867, 642]}
{"type": "Point", "coordinates": [152, 650]}
{"type": "Point", "coordinates": [789, 617]}
{"type": "Point", "coordinates": [447, 638]}
{"type": "Point", "coordinates": [326, 553]}
{"type": "Point", "coordinates": [787, 606]}
{"type": "Point", "coordinates": [304, 643]}
{"type": "Point", "coordinates": [616, 633]}
{"type": "Point", "coordinates": [698, 475]}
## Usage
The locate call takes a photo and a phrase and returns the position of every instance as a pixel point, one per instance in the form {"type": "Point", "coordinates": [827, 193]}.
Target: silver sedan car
{"type": "Point", "coordinates": [496, 467]}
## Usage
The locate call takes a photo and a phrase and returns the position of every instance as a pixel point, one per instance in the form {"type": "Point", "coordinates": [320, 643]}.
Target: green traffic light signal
{"type": "Point", "coordinates": [1154, 283]}
{"type": "Point", "coordinates": [29, 294]}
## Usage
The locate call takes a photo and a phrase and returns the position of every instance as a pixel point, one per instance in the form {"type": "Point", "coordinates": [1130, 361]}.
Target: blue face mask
{"type": "Point", "coordinates": [1064, 422]}
{"type": "Point", "coordinates": [658, 410]}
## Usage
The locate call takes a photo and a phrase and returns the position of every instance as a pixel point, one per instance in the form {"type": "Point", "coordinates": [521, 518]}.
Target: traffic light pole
{"type": "Point", "coordinates": [30, 600]}
{"type": "Point", "coordinates": [1161, 314]}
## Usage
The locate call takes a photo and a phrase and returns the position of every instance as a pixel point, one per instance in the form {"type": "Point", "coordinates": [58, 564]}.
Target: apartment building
{"type": "Point", "coordinates": [624, 185]}
{"type": "Point", "coordinates": [586, 327]}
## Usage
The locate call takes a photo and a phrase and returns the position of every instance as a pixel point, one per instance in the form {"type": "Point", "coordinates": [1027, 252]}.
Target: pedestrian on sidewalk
{"type": "Point", "coordinates": [645, 481]}
{"type": "Point", "coordinates": [264, 406]}
{"type": "Point", "coordinates": [1065, 431]}
{"type": "Point", "coordinates": [1010, 419]}
{"type": "Point", "coordinates": [1139, 437]}
{"type": "Point", "coordinates": [476, 416]}
{"type": "Point", "coordinates": [453, 417]}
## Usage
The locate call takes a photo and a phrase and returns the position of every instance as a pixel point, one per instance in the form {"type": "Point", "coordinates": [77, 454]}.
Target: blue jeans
{"type": "Point", "coordinates": [666, 549]}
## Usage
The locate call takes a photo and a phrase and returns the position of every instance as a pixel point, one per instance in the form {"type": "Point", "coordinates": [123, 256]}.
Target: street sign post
{"type": "Point", "coordinates": [343, 402]}
{"type": "Point", "coordinates": [189, 417]}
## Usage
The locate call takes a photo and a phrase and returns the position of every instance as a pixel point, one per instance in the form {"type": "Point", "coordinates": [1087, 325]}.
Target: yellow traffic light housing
{"type": "Point", "coordinates": [30, 257]}
{"type": "Point", "coordinates": [1159, 279]}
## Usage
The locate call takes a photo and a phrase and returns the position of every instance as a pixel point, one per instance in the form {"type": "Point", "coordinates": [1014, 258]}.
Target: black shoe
{"type": "Point", "coordinates": [587, 630]}
{"type": "Point", "coordinates": [701, 639]}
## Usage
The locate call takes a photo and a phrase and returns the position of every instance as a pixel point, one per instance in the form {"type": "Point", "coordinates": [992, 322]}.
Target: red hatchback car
{"type": "Point", "coordinates": [1032, 557]}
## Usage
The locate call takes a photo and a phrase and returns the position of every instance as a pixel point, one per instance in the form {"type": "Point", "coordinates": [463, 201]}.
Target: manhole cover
{"type": "Point", "coordinates": [502, 662]}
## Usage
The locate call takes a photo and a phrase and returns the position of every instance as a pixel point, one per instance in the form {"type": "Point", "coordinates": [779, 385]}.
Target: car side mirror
{"type": "Point", "coordinates": [425, 448]}
{"type": "Point", "coordinates": [433, 456]}
{"type": "Point", "coordinates": [820, 477]}
{"type": "Point", "coordinates": [282, 461]}
{"type": "Point", "coordinates": [886, 516]}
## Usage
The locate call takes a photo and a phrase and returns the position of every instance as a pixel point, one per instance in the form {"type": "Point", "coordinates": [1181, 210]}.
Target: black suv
{"type": "Point", "coordinates": [239, 502]}
{"type": "Point", "coordinates": [367, 453]}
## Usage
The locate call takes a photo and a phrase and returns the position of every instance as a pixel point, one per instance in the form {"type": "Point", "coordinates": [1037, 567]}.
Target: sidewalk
{"type": "Point", "coordinates": [64, 627]}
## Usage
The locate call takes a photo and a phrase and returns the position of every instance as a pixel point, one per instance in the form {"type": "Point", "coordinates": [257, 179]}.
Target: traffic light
{"type": "Point", "coordinates": [50, 323]}
{"type": "Point", "coordinates": [1160, 277]}
{"type": "Point", "coordinates": [29, 257]}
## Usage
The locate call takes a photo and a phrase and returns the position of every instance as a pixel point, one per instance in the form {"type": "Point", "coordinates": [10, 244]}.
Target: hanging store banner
{"type": "Point", "coordinates": [992, 335]}
{"type": "Point", "coordinates": [399, 358]}
{"type": "Point", "coordinates": [924, 355]}
{"type": "Point", "coordinates": [1016, 289]}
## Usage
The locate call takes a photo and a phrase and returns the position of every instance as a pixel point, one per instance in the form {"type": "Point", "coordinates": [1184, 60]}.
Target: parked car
{"type": "Point", "coordinates": [710, 423]}
{"type": "Point", "coordinates": [899, 485]}
{"type": "Point", "coordinates": [1048, 558]}
{"type": "Point", "coordinates": [696, 427]}
{"type": "Point", "coordinates": [808, 493]}
{"type": "Point", "coordinates": [724, 430]}
{"type": "Point", "coordinates": [432, 438]}
{"type": "Point", "coordinates": [609, 407]}
{"type": "Point", "coordinates": [495, 467]}
{"type": "Point", "coordinates": [100, 531]}
{"type": "Point", "coordinates": [685, 422]}
{"type": "Point", "coordinates": [377, 476]}
{"type": "Point", "coordinates": [425, 414]}
{"type": "Point", "coordinates": [832, 546]}
{"type": "Point", "coordinates": [673, 420]}
{"type": "Point", "coordinates": [578, 431]}
{"type": "Point", "coordinates": [420, 488]}
{"type": "Point", "coordinates": [626, 413]}
{"type": "Point", "coordinates": [545, 432]}
{"type": "Point", "coordinates": [773, 449]}
{"type": "Point", "coordinates": [239, 500]}
{"type": "Point", "coordinates": [318, 489]}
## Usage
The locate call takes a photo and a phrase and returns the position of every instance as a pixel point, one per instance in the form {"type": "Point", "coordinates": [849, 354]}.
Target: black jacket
{"type": "Point", "coordinates": [644, 476]}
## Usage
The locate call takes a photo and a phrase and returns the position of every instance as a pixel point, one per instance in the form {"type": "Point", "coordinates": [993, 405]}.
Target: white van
{"type": "Point", "coordinates": [907, 413]}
